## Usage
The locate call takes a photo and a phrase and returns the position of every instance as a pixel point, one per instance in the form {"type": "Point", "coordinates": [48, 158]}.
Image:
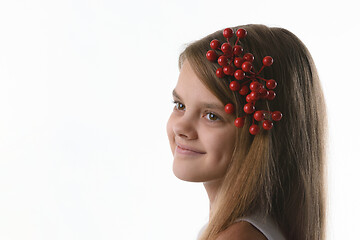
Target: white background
{"type": "Point", "coordinates": [85, 93]}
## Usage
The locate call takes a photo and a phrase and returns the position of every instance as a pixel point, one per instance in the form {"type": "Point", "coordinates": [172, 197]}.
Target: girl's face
{"type": "Point", "coordinates": [201, 134]}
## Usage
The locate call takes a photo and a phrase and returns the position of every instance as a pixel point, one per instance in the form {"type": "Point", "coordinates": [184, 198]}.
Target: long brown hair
{"type": "Point", "coordinates": [280, 172]}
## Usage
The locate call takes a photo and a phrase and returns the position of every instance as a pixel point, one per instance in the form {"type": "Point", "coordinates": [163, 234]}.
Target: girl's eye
{"type": "Point", "coordinates": [179, 106]}
{"type": "Point", "coordinates": [212, 117]}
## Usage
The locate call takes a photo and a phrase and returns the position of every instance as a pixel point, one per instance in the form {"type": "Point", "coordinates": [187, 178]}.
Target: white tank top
{"type": "Point", "coordinates": [264, 224]}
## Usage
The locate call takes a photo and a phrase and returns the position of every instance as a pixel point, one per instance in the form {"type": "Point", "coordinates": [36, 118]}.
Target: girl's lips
{"type": "Point", "coordinates": [187, 150]}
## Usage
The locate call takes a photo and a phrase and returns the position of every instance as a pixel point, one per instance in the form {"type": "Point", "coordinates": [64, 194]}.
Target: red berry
{"type": "Point", "coordinates": [238, 50]}
{"type": "Point", "coordinates": [249, 99]}
{"type": "Point", "coordinates": [246, 66]}
{"type": "Point", "coordinates": [234, 86]}
{"type": "Point", "coordinates": [276, 116]}
{"type": "Point", "coordinates": [249, 108]}
{"type": "Point", "coordinates": [244, 90]}
{"type": "Point", "coordinates": [238, 61]}
{"type": "Point", "coordinates": [248, 57]}
{"type": "Point", "coordinates": [271, 84]}
{"type": "Point", "coordinates": [254, 129]}
{"type": "Point", "coordinates": [255, 86]}
{"type": "Point", "coordinates": [220, 73]}
{"type": "Point", "coordinates": [229, 70]}
{"type": "Point", "coordinates": [226, 48]}
{"type": "Point", "coordinates": [228, 32]}
{"type": "Point", "coordinates": [259, 116]}
{"type": "Point", "coordinates": [211, 55]}
{"type": "Point", "coordinates": [263, 93]}
{"type": "Point", "coordinates": [229, 108]}
{"type": "Point", "coordinates": [254, 96]}
{"type": "Point", "coordinates": [271, 95]}
{"type": "Point", "coordinates": [239, 122]}
{"type": "Point", "coordinates": [267, 124]}
{"type": "Point", "coordinates": [268, 61]}
{"type": "Point", "coordinates": [215, 44]}
{"type": "Point", "coordinates": [239, 74]}
{"type": "Point", "coordinates": [241, 33]}
{"type": "Point", "coordinates": [223, 61]}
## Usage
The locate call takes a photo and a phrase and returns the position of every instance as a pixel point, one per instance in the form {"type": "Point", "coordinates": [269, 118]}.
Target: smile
{"type": "Point", "coordinates": [187, 150]}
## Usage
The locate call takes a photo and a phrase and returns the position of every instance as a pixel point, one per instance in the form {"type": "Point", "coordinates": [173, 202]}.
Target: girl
{"type": "Point", "coordinates": [263, 182]}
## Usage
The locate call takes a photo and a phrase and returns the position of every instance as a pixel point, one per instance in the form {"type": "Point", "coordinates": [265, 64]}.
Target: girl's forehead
{"type": "Point", "coordinates": [189, 86]}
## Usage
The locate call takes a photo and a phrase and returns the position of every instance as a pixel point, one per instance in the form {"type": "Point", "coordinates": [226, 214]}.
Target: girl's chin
{"type": "Point", "coordinates": [190, 176]}
{"type": "Point", "coordinates": [186, 175]}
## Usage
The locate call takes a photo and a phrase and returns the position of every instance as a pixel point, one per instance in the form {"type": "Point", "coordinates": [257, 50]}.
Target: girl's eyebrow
{"type": "Point", "coordinates": [213, 106]}
{"type": "Point", "coordinates": [204, 105]}
{"type": "Point", "coordinates": [175, 94]}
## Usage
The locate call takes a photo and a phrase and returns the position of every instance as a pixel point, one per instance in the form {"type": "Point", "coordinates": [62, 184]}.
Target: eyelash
{"type": "Point", "coordinates": [177, 105]}
{"type": "Point", "coordinates": [207, 114]}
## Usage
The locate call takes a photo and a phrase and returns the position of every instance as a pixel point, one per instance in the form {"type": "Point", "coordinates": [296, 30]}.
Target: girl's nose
{"type": "Point", "coordinates": [185, 128]}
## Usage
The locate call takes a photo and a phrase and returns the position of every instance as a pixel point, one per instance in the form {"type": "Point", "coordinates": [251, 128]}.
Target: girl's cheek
{"type": "Point", "coordinates": [169, 126]}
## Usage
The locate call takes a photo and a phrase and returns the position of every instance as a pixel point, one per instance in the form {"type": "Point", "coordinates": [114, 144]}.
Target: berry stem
{"type": "Point", "coordinates": [246, 82]}
{"type": "Point", "coordinates": [253, 73]}
{"type": "Point", "coordinates": [261, 78]}
{"type": "Point", "coordinates": [260, 70]}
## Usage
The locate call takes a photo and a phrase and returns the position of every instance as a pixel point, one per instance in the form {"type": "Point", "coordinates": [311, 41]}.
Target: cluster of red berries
{"type": "Point", "coordinates": [247, 81]}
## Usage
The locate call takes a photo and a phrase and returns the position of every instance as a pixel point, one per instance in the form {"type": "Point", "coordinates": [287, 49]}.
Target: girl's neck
{"type": "Point", "coordinates": [212, 188]}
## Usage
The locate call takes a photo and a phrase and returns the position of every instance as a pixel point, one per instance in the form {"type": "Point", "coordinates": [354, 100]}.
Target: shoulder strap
{"type": "Point", "coordinates": [265, 225]}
